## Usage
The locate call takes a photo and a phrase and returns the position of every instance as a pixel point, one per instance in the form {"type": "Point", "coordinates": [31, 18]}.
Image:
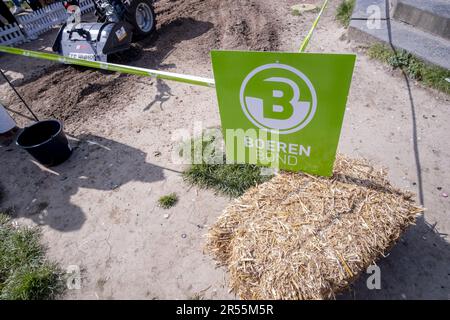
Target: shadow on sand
{"type": "Point", "coordinates": [416, 268]}
{"type": "Point", "coordinates": [97, 163]}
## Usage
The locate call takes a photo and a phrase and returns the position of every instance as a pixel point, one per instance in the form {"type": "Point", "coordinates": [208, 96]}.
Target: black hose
{"type": "Point", "coordinates": [20, 97]}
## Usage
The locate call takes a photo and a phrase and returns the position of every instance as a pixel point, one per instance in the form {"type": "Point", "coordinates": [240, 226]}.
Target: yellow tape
{"type": "Point", "coordinates": [194, 80]}
{"type": "Point", "coordinates": [311, 31]}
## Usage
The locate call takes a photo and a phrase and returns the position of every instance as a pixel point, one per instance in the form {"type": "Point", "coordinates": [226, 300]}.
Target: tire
{"type": "Point", "coordinates": [141, 15]}
{"type": "Point", "coordinates": [101, 16]}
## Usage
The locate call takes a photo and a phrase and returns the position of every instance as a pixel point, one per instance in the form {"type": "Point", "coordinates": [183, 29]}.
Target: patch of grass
{"type": "Point", "coordinates": [229, 179]}
{"type": "Point", "coordinates": [380, 52]}
{"type": "Point", "coordinates": [344, 12]}
{"type": "Point", "coordinates": [168, 201]}
{"type": "Point", "coordinates": [25, 274]}
{"type": "Point", "coordinates": [416, 69]}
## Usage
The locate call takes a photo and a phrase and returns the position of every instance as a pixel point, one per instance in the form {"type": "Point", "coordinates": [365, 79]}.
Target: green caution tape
{"type": "Point", "coordinates": [311, 31]}
{"type": "Point", "coordinates": [194, 80]}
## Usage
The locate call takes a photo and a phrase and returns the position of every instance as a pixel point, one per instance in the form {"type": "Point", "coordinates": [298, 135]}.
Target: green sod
{"type": "Point", "coordinates": [25, 274]}
{"type": "Point", "coordinates": [229, 179]}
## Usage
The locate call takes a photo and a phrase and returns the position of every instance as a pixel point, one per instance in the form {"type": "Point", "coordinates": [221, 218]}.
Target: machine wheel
{"type": "Point", "coordinates": [141, 15]}
{"type": "Point", "coordinates": [100, 13]}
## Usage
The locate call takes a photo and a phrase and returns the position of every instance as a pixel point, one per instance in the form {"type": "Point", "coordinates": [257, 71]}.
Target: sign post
{"type": "Point", "coordinates": [283, 110]}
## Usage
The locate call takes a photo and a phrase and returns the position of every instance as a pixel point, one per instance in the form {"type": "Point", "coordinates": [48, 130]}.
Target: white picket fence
{"type": "Point", "coordinates": [11, 34]}
{"type": "Point", "coordinates": [43, 19]}
{"type": "Point", "coordinates": [38, 22]}
{"type": "Point", "coordinates": [86, 6]}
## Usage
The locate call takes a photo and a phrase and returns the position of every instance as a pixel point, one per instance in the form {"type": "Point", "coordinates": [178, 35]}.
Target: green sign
{"type": "Point", "coordinates": [283, 110]}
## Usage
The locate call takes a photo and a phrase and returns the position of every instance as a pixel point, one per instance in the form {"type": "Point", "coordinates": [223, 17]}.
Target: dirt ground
{"type": "Point", "coordinates": [99, 209]}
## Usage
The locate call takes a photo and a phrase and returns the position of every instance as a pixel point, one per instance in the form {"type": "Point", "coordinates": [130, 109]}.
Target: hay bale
{"type": "Point", "coordinates": [304, 237]}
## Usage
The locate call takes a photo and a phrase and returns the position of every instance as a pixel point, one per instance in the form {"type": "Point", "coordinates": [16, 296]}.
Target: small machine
{"type": "Point", "coordinates": [119, 22]}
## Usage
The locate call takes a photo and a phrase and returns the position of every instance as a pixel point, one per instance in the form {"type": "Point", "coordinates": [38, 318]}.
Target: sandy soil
{"type": "Point", "coordinates": [99, 209]}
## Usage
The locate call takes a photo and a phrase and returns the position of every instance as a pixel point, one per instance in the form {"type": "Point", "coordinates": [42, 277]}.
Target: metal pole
{"type": "Point", "coordinates": [20, 97]}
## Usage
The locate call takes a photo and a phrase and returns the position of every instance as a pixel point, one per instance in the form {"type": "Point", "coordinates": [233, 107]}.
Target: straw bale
{"type": "Point", "coordinates": [299, 236]}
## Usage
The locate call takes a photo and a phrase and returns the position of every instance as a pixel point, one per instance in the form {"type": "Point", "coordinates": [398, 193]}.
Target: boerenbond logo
{"type": "Point", "coordinates": [278, 97]}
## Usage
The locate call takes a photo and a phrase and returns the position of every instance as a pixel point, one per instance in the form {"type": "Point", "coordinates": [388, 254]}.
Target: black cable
{"type": "Point", "coordinates": [20, 97]}
{"type": "Point", "coordinates": [413, 110]}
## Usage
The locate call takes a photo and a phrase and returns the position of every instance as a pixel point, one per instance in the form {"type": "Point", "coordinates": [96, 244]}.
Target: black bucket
{"type": "Point", "coordinates": [46, 142]}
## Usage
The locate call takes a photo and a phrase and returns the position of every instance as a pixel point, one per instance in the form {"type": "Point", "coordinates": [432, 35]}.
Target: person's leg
{"type": "Point", "coordinates": [17, 7]}
{"type": "Point", "coordinates": [17, 3]}
{"type": "Point", "coordinates": [34, 4]}
{"type": "Point", "coordinates": [31, 4]}
{"type": "Point", "coordinates": [4, 11]}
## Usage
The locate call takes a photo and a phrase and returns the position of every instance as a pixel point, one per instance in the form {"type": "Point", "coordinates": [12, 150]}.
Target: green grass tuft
{"type": "Point", "coordinates": [25, 274]}
{"type": "Point", "coordinates": [344, 12]}
{"type": "Point", "coordinates": [2, 194]}
{"type": "Point", "coordinates": [168, 201]}
{"type": "Point", "coordinates": [229, 179]}
{"type": "Point", "coordinates": [416, 69]}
